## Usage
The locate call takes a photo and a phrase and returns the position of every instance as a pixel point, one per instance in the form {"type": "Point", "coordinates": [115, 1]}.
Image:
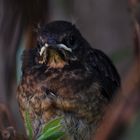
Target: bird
{"type": "Point", "coordinates": [62, 75]}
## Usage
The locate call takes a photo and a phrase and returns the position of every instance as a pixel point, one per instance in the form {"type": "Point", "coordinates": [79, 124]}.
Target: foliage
{"type": "Point", "coordinates": [29, 125]}
{"type": "Point", "coordinates": [51, 131]}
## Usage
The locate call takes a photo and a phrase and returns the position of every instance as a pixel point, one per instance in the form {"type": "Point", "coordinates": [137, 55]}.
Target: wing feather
{"type": "Point", "coordinates": [106, 72]}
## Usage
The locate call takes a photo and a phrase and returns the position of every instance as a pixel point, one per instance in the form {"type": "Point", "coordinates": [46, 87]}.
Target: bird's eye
{"type": "Point", "coordinates": [71, 40]}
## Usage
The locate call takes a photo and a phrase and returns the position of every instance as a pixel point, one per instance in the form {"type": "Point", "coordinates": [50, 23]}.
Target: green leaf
{"type": "Point", "coordinates": [52, 130]}
{"type": "Point", "coordinates": [52, 123]}
{"type": "Point", "coordinates": [29, 125]}
{"type": "Point", "coordinates": [53, 136]}
{"type": "Point", "coordinates": [56, 135]}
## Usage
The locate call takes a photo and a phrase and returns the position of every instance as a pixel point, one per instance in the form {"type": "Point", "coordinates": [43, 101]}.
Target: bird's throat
{"type": "Point", "coordinates": [55, 60]}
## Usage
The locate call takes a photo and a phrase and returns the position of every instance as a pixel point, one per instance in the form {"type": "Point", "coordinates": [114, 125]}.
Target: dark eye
{"type": "Point", "coordinates": [71, 40]}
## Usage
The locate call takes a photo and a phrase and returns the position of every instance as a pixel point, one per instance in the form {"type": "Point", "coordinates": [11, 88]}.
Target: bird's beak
{"type": "Point", "coordinates": [43, 49]}
{"type": "Point", "coordinates": [62, 46]}
{"type": "Point", "coordinates": [53, 52]}
{"type": "Point", "coordinates": [57, 46]}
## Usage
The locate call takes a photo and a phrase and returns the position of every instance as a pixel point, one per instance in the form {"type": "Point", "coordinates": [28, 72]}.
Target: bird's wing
{"type": "Point", "coordinates": [107, 74]}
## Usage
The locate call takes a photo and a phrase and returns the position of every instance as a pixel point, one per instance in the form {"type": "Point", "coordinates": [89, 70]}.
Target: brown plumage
{"type": "Point", "coordinates": [64, 76]}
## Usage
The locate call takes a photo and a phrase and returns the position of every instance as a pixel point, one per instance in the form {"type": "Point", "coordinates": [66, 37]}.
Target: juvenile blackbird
{"type": "Point", "coordinates": [64, 76]}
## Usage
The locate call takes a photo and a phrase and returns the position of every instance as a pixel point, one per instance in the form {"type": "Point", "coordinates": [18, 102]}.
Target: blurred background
{"type": "Point", "coordinates": [109, 25]}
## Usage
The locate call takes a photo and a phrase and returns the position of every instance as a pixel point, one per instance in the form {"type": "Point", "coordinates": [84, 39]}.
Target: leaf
{"type": "Point", "coordinates": [52, 130]}
{"type": "Point", "coordinates": [29, 125]}
{"type": "Point", "coordinates": [56, 135]}
{"type": "Point", "coordinates": [53, 136]}
{"type": "Point", "coordinates": [52, 123]}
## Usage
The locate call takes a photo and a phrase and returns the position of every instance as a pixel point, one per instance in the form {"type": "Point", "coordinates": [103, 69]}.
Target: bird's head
{"type": "Point", "coordinates": [59, 43]}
